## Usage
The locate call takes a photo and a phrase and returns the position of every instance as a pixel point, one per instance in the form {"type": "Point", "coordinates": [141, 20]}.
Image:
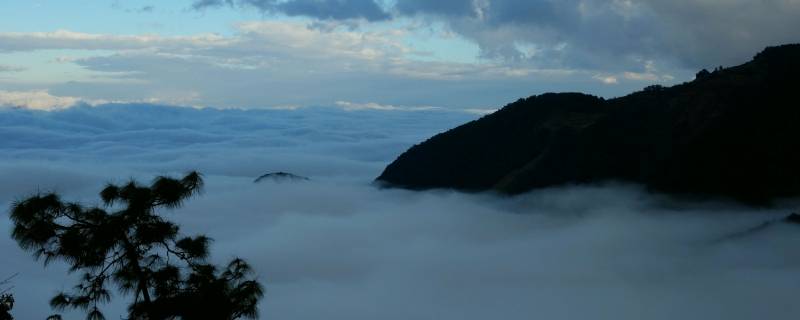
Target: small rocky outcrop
{"type": "Point", "coordinates": [280, 177]}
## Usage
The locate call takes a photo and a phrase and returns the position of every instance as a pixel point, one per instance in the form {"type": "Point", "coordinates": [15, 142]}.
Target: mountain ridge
{"type": "Point", "coordinates": [731, 133]}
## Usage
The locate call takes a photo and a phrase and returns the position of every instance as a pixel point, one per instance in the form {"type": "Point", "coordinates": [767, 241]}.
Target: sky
{"type": "Point", "coordinates": [338, 247]}
{"type": "Point", "coordinates": [467, 54]}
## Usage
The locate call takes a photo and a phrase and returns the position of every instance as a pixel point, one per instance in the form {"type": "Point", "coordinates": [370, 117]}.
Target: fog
{"type": "Point", "coordinates": [339, 247]}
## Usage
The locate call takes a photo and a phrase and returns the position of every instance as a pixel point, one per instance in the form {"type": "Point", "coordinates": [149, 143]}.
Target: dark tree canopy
{"type": "Point", "coordinates": [126, 243]}
{"type": "Point", "coordinates": [6, 304]}
{"type": "Point", "coordinates": [6, 299]}
{"type": "Point", "coordinates": [702, 74]}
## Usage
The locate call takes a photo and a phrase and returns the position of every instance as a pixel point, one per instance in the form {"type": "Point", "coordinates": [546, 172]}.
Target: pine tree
{"type": "Point", "coordinates": [126, 243]}
{"type": "Point", "coordinates": [6, 304]}
{"type": "Point", "coordinates": [6, 299]}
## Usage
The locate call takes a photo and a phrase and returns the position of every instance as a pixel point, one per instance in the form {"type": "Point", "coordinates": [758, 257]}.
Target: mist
{"type": "Point", "coordinates": [340, 247]}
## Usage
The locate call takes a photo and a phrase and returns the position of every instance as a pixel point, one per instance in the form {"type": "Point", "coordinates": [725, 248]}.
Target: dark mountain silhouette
{"type": "Point", "coordinates": [734, 132]}
{"type": "Point", "coordinates": [280, 177]}
{"type": "Point", "coordinates": [793, 218]}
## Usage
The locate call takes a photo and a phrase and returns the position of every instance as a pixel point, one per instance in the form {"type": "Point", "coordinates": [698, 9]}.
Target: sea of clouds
{"type": "Point", "coordinates": [339, 247]}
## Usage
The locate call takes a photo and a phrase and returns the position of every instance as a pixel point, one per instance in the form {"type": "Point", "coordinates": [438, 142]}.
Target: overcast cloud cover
{"type": "Point", "coordinates": [338, 247]}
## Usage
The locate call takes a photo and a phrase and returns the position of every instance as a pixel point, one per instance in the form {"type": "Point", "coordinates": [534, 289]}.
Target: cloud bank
{"type": "Point", "coordinates": [337, 247]}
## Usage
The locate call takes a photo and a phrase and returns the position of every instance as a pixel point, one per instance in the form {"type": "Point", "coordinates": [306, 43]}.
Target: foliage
{"type": "Point", "coordinates": [6, 299]}
{"type": "Point", "coordinates": [6, 304]}
{"type": "Point", "coordinates": [702, 74]}
{"type": "Point", "coordinates": [125, 242]}
{"type": "Point", "coordinates": [654, 88]}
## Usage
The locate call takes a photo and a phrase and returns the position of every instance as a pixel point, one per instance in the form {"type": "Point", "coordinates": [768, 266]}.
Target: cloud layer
{"type": "Point", "coordinates": [278, 63]}
{"type": "Point", "coordinates": [584, 33]}
{"type": "Point", "coordinates": [621, 33]}
{"type": "Point", "coordinates": [320, 9]}
{"type": "Point", "coordinates": [450, 54]}
{"type": "Point", "coordinates": [337, 247]}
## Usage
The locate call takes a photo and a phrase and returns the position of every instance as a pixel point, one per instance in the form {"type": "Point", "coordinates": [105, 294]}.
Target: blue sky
{"type": "Point", "coordinates": [398, 54]}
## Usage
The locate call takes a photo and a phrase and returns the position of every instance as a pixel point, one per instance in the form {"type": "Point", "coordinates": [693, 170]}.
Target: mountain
{"type": "Point", "coordinates": [280, 177]}
{"type": "Point", "coordinates": [734, 132]}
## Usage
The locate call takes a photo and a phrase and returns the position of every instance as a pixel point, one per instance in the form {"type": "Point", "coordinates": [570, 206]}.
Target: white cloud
{"type": "Point", "coordinates": [352, 106]}
{"type": "Point", "coordinates": [66, 39]}
{"type": "Point", "coordinates": [606, 79]}
{"type": "Point", "coordinates": [254, 43]}
{"type": "Point", "coordinates": [324, 44]}
{"type": "Point", "coordinates": [480, 111]}
{"type": "Point", "coordinates": [45, 101]}
{"type": "Point", "coordinates": [641, 76]}
{"type": "Point", "coordinates": [37, 100]}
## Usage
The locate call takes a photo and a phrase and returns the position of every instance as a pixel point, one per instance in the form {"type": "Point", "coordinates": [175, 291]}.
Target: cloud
{"type": "Point", "coordinates": [611, 36]}
{"type": "Point", "coordinates": [263, 63]}
{"type": "Point", "coordinates": [7, 68]}
{"type": "Point", "coordinates": [44, 101]}
{"type": "Point", "coordinates": [319, 9]}
{"type": "Point", "coordinates": [604, 34]}
{"type": "Point", "coordinates": [709, 33]}
{"type": "Point", "coordinates": [337, 247]}
{"type": "Point", "coordinates": [352, 106]}
{"type": "Point", "coordinates": [38, 100]}
{"type": "Point", "coordinates": [142, 134]}
{"type": "Point", "coordinates": [606, 79]}
{"type": "Point", "coordinates": [65, 39]}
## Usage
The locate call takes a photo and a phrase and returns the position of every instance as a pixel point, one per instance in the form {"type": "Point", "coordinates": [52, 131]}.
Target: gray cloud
{"type": "Point", "coordinates": [447, 8]}
{"type": "Point", "coordinates": [319, 9]}
{"type": "Point", "coordinates": [339, 248]}
{"type": "Point", "coordinates": [603, 34]}
{"type": "Point", "coordinates": [608, 35]}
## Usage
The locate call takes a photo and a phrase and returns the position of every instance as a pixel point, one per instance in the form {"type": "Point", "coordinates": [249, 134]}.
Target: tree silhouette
{"type": "Point", "coordinates": [127, 243]}
{"type": "Point", "coordinates": [6, 304]}
{"type": "Point", "coordinates": [702, 74]}
{"type": "Point", "coordinates": [6, 299]}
